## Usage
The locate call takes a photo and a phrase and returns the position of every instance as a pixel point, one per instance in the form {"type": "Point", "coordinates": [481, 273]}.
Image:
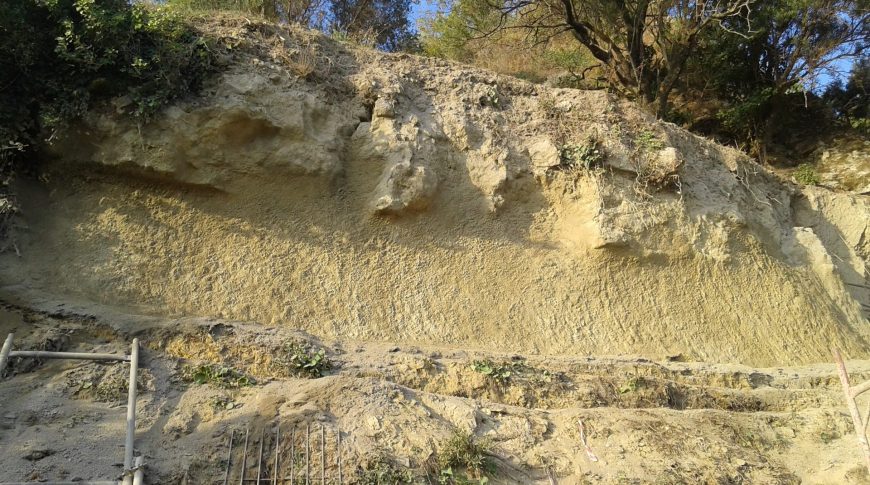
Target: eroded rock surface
{"type": "Point", "coordinates": [388, 197]}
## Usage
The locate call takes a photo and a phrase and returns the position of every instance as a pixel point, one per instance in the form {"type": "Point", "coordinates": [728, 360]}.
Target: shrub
{"type": "Point", "coordinates": [500, 373]}
{"type": "Point", "coordinates": [648, 141]}
{"type": "Point", "coordinates": [463, 455]}
{"type": "Point", "coordinates": [217, 375]}
{"type": "Point", "coordinates": [587, 155]}
{"type": "Point", "coordinates": [805, 174]}
{"type": "Point", "coordinates": [381, 471]}
{"type": "Point", "coordinates": [58, 58]}
{"type": "Point", "coordinates": [861, 125]}
{"type": "Point", "coordinates": [304, 361]}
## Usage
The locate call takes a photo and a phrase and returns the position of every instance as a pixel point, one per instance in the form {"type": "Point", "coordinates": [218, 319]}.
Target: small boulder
{"type": "Point", "coordinates": [405, 187]}
{"type": "Point", "coordinates": [544, 154]}
{"type": "Point", "coordinates": [37, 454]}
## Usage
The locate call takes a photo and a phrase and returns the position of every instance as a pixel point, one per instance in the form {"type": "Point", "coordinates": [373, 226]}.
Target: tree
{"type": "Point", "coordinates": [852, 100]}
{"type": "Point", "coordinates": [385, 21]}
{"type": "Point", "coordinates": [642, 45]}
{"type": "Point", "coordinates": [305, 12]}
{"type": "Point", "coordinates": [58, 58]}
{"type": "Point", "coordinates": [382, 23]}
{"type": "Point", "coordinates": [764, 79]}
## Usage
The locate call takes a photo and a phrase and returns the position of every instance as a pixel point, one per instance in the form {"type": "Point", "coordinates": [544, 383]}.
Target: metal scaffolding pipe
{"type": "Point", "coordinates": [62, 483]}
{"type": "Point", "coordinates": [139, 474]}
{"type": "Point", "coordinates": [277, 442]}
{"type": "Point", "coordinates": [4, 354]}
{"type": "Point", "coordinates": [308, 454]}
{"type": "Point", "coordinates": [134, 474]}
{"type": "Point", "coordinates": [260, 456]}
{"type": "Point", "coordinates": [40, 354]}
{"type": "Point", "coordinates": [131, 413]}
{"type": "Point", "coordinates": [322, 454]}
{"type": "Point", "coordinates": [229, 458]}
{"type": "Point", "coordinates": [292, 454]}
{"type": "Point", "coordinates": [244, 458]}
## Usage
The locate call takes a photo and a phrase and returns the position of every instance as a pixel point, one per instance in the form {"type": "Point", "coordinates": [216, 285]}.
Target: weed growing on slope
{"type": "Point", "coordinates": [632, 384]}
{"type": "Point", "coordinates": [382, 471]}
{"type": "Point", "coordinates": [303, 360]}
{"type": "Point", "coordinates": [502, 373]}
{"type": "Point", "coordinates": [805, 174]}
{"type": "Point", "coordinates": [587, 155]}
{"type": "Point", "coordinates": [463, 459]}
{"type": "Point", "coordinates": [648, 141]}
{"type": "Point", "coordinates": [217, 375]}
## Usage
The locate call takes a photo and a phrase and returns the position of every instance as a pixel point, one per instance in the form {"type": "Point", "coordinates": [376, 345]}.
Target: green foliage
{"type": "Point", "coordinates": [742, 118]}
{"type": "Point", "coordinates": [569, 59]}
{"type": "Point", "coordinates": [382, 471]}
{"type": "Point", "coordinates": [304, 361]}
{"type": "Point", "coordinates": [861, 125]}
{"type": "Point", "coordinates": [450, 32]}
{"type": "Point", "coordinates": [851, 101]}
{"type": "Point", "coordinates": [499, 373]}
{"type": "Point", "coordinates": [632, 384]}
{"type": "Point", "coordinates": [648, 141]}
{"type": "Point", "coordinates": [462, 457]}
{"type": "Point", "coordinates": [502, 373]}
{"type": "Point", "coordinates": [587, 155]}
{"type": "Point", "coordinates": [286, 10]}
{"type": "Point", "coordinates": [59, 58]}
{"type": "Point", "coordinates": [805, 174]}
{"type": "Point", "coordinates": [217, 375]}
{"type": "Point", "coordinates": [386, 22]}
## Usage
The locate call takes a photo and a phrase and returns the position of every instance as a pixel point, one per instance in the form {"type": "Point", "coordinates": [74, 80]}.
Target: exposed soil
{"type": "Point", "coordinates": [446, 236]}
{"type": "Point", "coordinates": [647, 422]}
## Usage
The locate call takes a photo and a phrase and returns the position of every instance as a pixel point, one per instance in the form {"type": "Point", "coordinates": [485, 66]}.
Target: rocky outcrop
{"type": "Point", "coordinates": [399, 198]}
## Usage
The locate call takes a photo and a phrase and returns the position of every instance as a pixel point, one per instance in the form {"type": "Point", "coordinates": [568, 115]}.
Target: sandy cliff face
{"type": "Point", "coordinates": [387, 197]}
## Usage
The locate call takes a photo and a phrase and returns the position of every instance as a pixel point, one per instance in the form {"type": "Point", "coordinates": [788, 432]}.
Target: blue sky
{"type": "Point", "coordinates": [420, 8]}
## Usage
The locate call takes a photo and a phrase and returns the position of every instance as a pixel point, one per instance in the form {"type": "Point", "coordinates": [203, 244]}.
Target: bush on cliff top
{"type": "Point", "coordinates": [58, 58]}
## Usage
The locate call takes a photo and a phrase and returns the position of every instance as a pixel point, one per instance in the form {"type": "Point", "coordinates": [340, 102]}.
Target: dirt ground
{"type": "Point", "coordinates": [645, 422]}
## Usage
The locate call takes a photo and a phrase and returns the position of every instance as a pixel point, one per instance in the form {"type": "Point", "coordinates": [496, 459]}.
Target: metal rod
{"type": "Point", "coordinates": [229, 458]}
{"type": "Point", "coordinates": [4, 354]}
{"type": "Point", "coordinates": [260, 458]}
{"type": "Point", "coordinates": [338, 449]}
{"type": "Point", "coordinates": [139, 473]}
{"type": "Point", "coordinates": [277, 442]}
{"type": "Point", "coordinates": [131, 412]}
{"type": "Point", "coordinates": [292, 454]}
{"type": "Point", "coordinates": [40, 354]}
{"type": "Point", "coordinates": [244, 459]}
{"type": "Point", "coordinates": [860, 389]}
{"type": "Point", "coordinates": [322, 455]}
{"type": "Point", "coordinates": [98, 482]}
{"type": "Point", "coordinates": [308, 454]}
{"type": "Point", "coordinates": [853, 408]}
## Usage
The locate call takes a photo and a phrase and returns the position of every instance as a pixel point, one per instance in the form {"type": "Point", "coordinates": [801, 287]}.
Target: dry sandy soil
{"type": "Point", "coordinates": [645, 422]}
{"type": "Point", "coordinates": [414, 216]}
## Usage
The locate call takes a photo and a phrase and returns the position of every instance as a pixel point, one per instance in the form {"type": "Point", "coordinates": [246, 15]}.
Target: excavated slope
{"type": "Point", "coordinates": [389, 197]}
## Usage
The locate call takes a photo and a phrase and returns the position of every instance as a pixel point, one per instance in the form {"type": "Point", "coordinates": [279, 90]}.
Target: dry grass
{"type": "Point", "coordinates": [654, 175]}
